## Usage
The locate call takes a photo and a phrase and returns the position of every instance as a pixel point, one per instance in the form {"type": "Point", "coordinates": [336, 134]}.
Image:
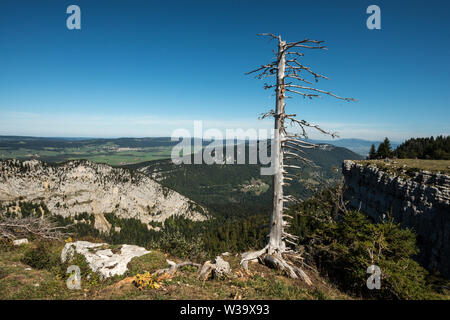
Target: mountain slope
{"type": "Point", "coordinates": [75, 187]}
{"type": "Point", "coordinates": [239, 189]}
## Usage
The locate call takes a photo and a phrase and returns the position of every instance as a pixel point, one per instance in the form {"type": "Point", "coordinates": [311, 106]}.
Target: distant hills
{"type": "Point", "coordinates": [114, 150]}
{"type": "Point", "coordinates": [359, 146]}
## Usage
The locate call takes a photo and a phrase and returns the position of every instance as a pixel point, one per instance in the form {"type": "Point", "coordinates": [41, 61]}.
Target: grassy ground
{"type": "Point", "coordinates": [19, 281]}
{"type": "Point", "coordinates": [409, 166]}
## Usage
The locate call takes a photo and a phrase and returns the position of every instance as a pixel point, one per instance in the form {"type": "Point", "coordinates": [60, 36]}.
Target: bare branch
{"type": "Point", "coordinates": [14, 227]}
{"type": "Point", "coordinates": [292, 154]}
{"type": "Point", "coordinates": [291, 166]}
{"type": "Point", "coordinates": [269, 35]}
{"type": "Point", "coordinates": [300, 43]}
{"type": "Point", "coordinates": [292, 148]}
{"type": "Point", "coordinates": [303, 123]}
{"type": "Point", "coordinates": [266, 86]}
{"type": "Point", "coordinates": [299, 143]}
{"type": "Point", "coordinates": [308, 47]}
{"type": "Point", "coordinates": [291, 236]}
{"type": "Point", "coordinates": [298, 138]}
{"type": "Point", "coordinates": [271, 113]}
{"type": "Point", "coordinates": [268, 70]}
{"type": "Point", "coordinates": [295, 76]}
{"type": "Point", "coordinates": [296, 53]}
{"type": "Point", "coordinates": [302, 67]}
{"type": "Point", "coordinates": [305, 95]}
{"type": "Point", "coordinates": [321, 91]}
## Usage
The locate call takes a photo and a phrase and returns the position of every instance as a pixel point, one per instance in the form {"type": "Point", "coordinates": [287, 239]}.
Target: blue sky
{"type": "Point", "coordinates": [145, 68]}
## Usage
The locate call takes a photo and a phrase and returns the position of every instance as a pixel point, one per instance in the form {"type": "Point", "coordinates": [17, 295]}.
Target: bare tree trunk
{"type": "Point", "coordinates": [276, 245]}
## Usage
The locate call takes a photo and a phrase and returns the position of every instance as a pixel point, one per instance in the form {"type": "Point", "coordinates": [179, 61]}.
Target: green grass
{"type": "Point", "coordinates": [408, 167]}
{"type": "Point", "coordinates": [147, 263]}
{"type": "Point", "coordinates": [17, 281]}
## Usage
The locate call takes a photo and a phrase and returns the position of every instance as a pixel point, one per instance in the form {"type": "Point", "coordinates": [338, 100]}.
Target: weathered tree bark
{"type": "Point", "coordinates": [288, 144]}
{"type": "Point", "coordinates": [276, 245]}
{"type": "Point", "coordinates": [174, 267]}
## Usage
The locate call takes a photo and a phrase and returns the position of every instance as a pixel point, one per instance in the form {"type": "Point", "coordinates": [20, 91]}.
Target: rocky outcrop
{"type": "Point", "coordinates": [421, 203]}
{"type": "Point", "coordinates": [75, 187]}
{"type": "Point", "coordinates": [222, 268]}
{"type": "Point", "coordinates": [20, 242]}
{"type": "Point", "coordinates": [101, 258]}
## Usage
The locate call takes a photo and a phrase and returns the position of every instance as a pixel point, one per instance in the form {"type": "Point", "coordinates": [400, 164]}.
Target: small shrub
{"type": "Point", "coordinates": [3, 273]}
{"type": "Point", "coordinates": [44, 255]}
{"type": "Point", "coordinates": [6, 245]}
{"type": "Point", "coordinates": [146, 281]}
{"type": "Point", "coordinates": [178, 245]}
{"type": "Point", "coordinates": [345, 248]}
{"type": "Point", "coordinates": [319, 294]}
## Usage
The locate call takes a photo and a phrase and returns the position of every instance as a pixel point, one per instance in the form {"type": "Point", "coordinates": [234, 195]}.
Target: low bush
{"type": "Point", "coordinates": [6, 244]}
{"type": "Point", "coordinates": [346, 248]}
{"type": "Point", "coordinates": [45, 255]}
{"type": "Point", "coordinates": [178, 245]}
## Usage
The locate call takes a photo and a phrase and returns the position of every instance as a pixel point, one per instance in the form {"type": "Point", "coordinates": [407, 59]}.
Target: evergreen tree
{"type": "Point", "coordinates": [425, 148]}
{"type": "Point", "coordinates": [372, 152]}
{"type": "Point", "coordinates": [384, 149]}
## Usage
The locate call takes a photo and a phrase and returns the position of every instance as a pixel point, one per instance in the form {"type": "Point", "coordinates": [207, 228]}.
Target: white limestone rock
{"type": "Point", "coordinates": [101, 258]}
{"type": "Point", "coordinates": [19, 242]}
{"type": "Point", "coordinates": [79, 186]}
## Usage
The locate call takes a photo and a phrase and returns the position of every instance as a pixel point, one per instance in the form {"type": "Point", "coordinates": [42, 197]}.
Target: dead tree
{"type": "Point", "coordinates": [290, 78]}
{"type": "Point", "coordinates": [16, 227]}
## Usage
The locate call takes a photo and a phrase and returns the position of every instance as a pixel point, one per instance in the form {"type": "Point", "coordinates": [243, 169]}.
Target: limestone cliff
{"type": "Point", "coordinates": [420, 202]}
{"type": "Point", "coordinates": [75, 187]}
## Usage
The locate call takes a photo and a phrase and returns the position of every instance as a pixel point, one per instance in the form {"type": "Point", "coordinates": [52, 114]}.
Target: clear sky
{"type": "Point", "coordinates": [145, 68]}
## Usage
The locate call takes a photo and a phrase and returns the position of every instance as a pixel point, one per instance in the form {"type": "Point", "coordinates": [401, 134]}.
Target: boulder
{"type": "Point", "coordinates": [222, 268]}
{"type": "Point", "coordinates": [101, 258]}
{"type": "Point", "coordinates": [19, 242]}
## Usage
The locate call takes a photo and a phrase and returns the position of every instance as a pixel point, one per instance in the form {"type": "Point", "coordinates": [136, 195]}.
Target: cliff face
{"type": "Point", "coordinates": [75, 187]}
{"type": "Point", "coordinates": [421, 203]}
